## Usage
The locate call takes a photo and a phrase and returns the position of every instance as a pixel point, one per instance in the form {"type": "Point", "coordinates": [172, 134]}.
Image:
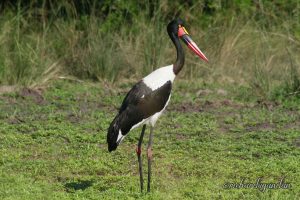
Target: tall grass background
{"type": "Point", "coordinates": [251, 43]}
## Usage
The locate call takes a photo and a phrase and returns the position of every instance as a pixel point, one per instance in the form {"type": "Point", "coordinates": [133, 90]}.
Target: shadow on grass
{"type": "Point", "coordinates": [78, 185]}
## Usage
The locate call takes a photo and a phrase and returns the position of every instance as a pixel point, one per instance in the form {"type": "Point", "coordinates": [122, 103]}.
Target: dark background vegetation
{"type": "Point", "coordinates": [252, 42]}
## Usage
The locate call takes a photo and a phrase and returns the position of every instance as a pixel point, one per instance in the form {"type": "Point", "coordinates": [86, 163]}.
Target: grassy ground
{"type": "Point", "coordinates": [53, 144]}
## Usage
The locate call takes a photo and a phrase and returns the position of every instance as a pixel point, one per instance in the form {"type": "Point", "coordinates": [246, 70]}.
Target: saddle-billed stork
{"type": "Point", "coordinates": [148, 98]}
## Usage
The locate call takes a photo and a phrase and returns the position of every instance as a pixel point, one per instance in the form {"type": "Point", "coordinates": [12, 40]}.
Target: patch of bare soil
{"type": "Point", "coordinates": [15, 120]}
{"type": "Point", "coordinates": [181, 136]}
{"type": "Point", "coordinates": [186, 107]}
{"type": "Point", "coordinates": [210, 105]}
{"type": "Point", "coordinates": [204, 92]}
{"type": "Point", "coordinates": [294, 125]}
{"type": "Point", "coordinates": [205, 106]}
{"type": "Point", "coordinates": [270, 105]}
{"type": "Point", "coordinates": [215, 108]}
{"type": "Point", "coordinates": [74, 118]}
{"type": "Point", "coordinates": [86, 107]}
{"type": "Point", "coordinates": [297, 142]}
{"type": "Point", "coordinates": [261, 126]}
{"type": "Point", "coordinates": [35, 94]}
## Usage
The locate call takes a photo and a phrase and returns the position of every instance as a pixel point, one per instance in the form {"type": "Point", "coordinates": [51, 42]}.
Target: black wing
{"type": "Point", "coordinates": [133, 96]}
{"type": "Point", "coordinates": [141, 102]}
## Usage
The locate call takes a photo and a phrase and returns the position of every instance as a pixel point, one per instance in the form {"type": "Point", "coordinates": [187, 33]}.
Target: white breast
{"type": "Point", "coordinates": [159, 77]}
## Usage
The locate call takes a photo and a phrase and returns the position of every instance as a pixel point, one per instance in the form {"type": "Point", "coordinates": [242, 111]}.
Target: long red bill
{"type": "Point", "coordinates": [193, 46]}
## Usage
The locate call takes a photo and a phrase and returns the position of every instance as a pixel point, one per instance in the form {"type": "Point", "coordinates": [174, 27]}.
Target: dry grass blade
{"type": "Point", "coordinates": [50, 73]}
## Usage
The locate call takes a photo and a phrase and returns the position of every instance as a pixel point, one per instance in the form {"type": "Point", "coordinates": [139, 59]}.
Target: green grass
{"type": "Point", "coordinates": [53, 146]}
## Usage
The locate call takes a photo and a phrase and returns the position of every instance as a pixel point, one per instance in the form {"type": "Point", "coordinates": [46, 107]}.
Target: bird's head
{"type": "Point", "coordinates": [177, 28]}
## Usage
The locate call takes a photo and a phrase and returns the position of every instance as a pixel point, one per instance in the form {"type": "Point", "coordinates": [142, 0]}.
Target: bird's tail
{"type": "Point", "coordinates": [112, 134]}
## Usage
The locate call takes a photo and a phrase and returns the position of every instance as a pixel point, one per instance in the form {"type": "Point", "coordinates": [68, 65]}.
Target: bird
{"type": "Point", "coordinates": [148, 98]}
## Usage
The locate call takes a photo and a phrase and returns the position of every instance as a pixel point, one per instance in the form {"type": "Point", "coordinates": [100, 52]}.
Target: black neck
{"type": "Point", "coordinates": [180, 54]}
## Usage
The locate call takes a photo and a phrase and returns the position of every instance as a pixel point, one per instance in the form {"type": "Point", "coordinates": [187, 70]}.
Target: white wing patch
{"type": "Point", "coordinates": [120, 137]}
{"type": "Point", "coordinates": [159, 77]}
{"type": "Point", "coordinates": [140, 123]}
